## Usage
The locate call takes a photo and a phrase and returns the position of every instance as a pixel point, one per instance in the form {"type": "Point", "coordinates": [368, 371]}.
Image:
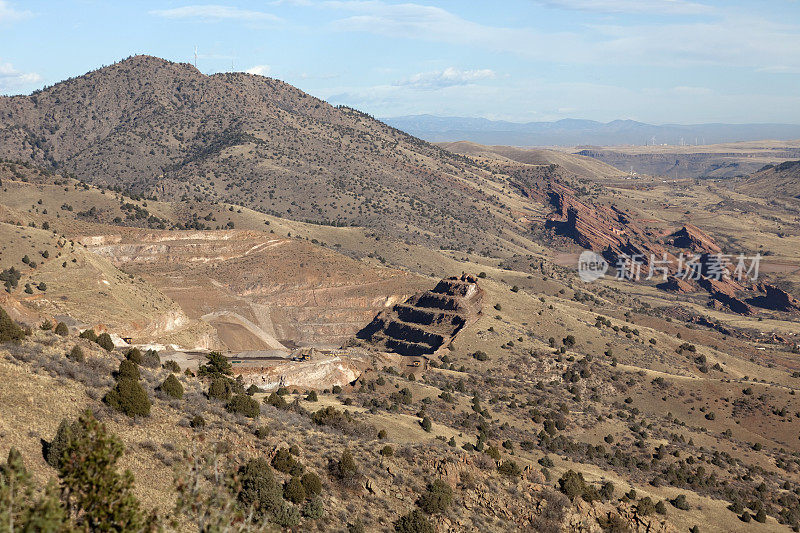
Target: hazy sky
{"type": "Point", "coordinates": [650, 60]}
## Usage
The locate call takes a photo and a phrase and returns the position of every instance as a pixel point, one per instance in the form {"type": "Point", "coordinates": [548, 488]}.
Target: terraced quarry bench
{"type": "Point", "coordinates": [428, 321]}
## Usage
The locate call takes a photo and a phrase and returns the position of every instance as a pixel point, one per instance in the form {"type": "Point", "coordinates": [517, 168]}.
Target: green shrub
{"type": "Point", "coordinates": [311, 483]}
{"type": "Point", "coordinates": [89, 335]}
{"type": "Point", "coordinates": [220, 389]}
{"type": "Point", "coordinates": [679, 502]}
{"type": "Point", "coordinates": [252, 389]}
{"type": "Point", "coordinates": [275, 401]}
{"type": "Point", "coordinates": [286, 515]}
{"type": "Point", "coordinates": [437, 497]}
{"type": "Point", "coordinates": [76, 354]}
{"type": "Point", "coordinates": [46, 325]}
{"type": "Point", "coordinates": [128, 397]}
{"type": "Point", "coordinates": [312, 396]}
{"type": "Point", "coordinates": [426, 424]}
{"type": "Point", "coordinates": [387, 451]}
{"type": "Point", "coordinates": [293, 490]}
{"type": "Point", "coordinates": [607, 491]}
{"type": "Point", "coordinates": [284, 462]}
{"type": "Point", "coordinates": [54, 454]}
{"type": "Point", "coordinates": [313, 509]}
{"type": "Point", "coordinates": [480, 355]}
{"type": "Point", "coordinates": [493, 452]}
{"type": "Point", "coordinates": [414, 522]}
{"type": "Point", "coordinates": [150, 359]}
{"type": "Point", "coordinates": [172, 387]}
{"type": "Point", "coordinates": [99, 495]}
{"type": "Point", "coordinates": [661, 508]}
{"type": "Point", "coordinates": [128, 370]}
{"type": "Point", "coordinates": [61, 329]}
{"type": "Point", "coordinates": [105, 342]}
{"type": "Point", "coordinates": [134, 355]}
{"type": "Point", "coordinates": [262, 432]}
{"type": "Point", "coordinates": [573, 485]}
{"type": "Point", "coordinates": [9, 330]}
{"type": "Point", "coordinates": [345, 469]}
{"type": "Point", "coordinates": [509, 468]}
{"type": "Point", "coordinates": [217, 365]}
{"type": "Point", "coordinates": [244, 405]}
{"type": "Point", "coordinates": [172, 366]}
{"type": "Point", "coordinates": [645, 507]}
{"type": "Point", "coordinates": [198, 422]}
{"type": "Point", "coordinates": [258, 489]}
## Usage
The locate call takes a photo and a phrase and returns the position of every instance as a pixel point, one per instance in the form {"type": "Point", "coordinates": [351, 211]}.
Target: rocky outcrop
{"type": "Point", "coordinates": [428, 321]}
{"type": "Point", "coordinates": [692, 238]}
{"type": "Point", "coordinates": [724, 293]}
{"type": "Point", "coordinates": [314, 374]}
{"type": "Point", "coordinates": [676, 285]}
{"type": "Point", "coordinates": [600, 227]}
{"type": "Point", "coordinates": [775, 298]}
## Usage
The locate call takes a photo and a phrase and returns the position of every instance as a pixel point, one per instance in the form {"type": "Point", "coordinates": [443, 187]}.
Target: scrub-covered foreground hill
{"type": "Point", "coordinates": [674, 414]}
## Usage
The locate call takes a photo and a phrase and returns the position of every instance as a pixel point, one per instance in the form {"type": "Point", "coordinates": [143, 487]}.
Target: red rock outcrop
{"type": "Point", "coordinates": [724, 292]}
{"type": "Point", "coordinates": [775, 298]}
{"type": "Point", "coordinates": [676, 285]}
{"type": "Point", "coordinates": [693, 238]}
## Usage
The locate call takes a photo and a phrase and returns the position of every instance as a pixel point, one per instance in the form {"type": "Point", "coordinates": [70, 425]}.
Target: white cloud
{"type": "Point", "coordinates": [215, 13]}
{"type": "Point", "coordinates": [445, 78]}
{"type": "Point", "coordinates": [648, 7]}
{"type": "Point", "coordinates": [260, 70]}
{"type": "Point", "coordinates": [12, 79]}
{"type": "Point", "coordinates": [9, 14]}
{"type": "Point", "coordinates": [724, 38]}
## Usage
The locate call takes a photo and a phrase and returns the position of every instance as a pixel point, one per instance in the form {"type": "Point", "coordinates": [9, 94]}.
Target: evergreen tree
{"type": "Point", "coordinates": [9, 330]}
{"type": "Point", "coordinates": [217, 365]}
{"type": "Point", "coordinates": [172, 387]}
{"type": "Point", "coordinates": [19, 510]}
{"type": "Point", "coordinates": [98, 496]}
{"type": "Point", "coordinates": [105, 342]}
{"type": "Point", "coordinates": [129, 397]}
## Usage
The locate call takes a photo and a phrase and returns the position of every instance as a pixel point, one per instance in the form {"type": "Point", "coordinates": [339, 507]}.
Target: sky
{"type": "Point", "coordinates": [657, 61]}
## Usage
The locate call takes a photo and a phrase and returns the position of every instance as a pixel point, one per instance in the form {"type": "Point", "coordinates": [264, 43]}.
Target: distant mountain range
{"type": "Point", "coordinates": [575, 132]}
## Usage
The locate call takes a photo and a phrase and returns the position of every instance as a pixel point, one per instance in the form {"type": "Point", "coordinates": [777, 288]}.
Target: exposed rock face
{"type": "Point", "coordinates": [723, 292]}
{"type": "Point", "coordinates": [428, 321]}
{"type": "Point", "coordinates": [256, 291]}
{"type": "Point", "coordinates": [692, 238]}
{"type": "Point", "coordinates": [775, 298]}
{"type": "Point", "coordinates": [599, 227]}
{"type": "Point", "coordinates": [677, 285]}
{"type": "Point", "coordinates": [315, 374]}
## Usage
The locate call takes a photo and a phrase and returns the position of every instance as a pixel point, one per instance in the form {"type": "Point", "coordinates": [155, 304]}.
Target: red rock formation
{"type": "Point", "coordinates": [600, 227]}
{"type": "Point", "coordinates": [677, 285]}
{"type": "Point", "coordinates": [775, 298]}
{"type": "Point", "coordinates": [724, 293]}
{"type": "Point", "coordinates": [692, 238]}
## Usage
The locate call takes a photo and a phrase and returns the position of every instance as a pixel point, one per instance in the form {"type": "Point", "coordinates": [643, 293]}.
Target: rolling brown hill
{"type": "Point", "coordinates": [157, 128]}
{"type": "Point", "coordinates": [577, 164]}
{"type": "Point", "coordinates": [774, 180]}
